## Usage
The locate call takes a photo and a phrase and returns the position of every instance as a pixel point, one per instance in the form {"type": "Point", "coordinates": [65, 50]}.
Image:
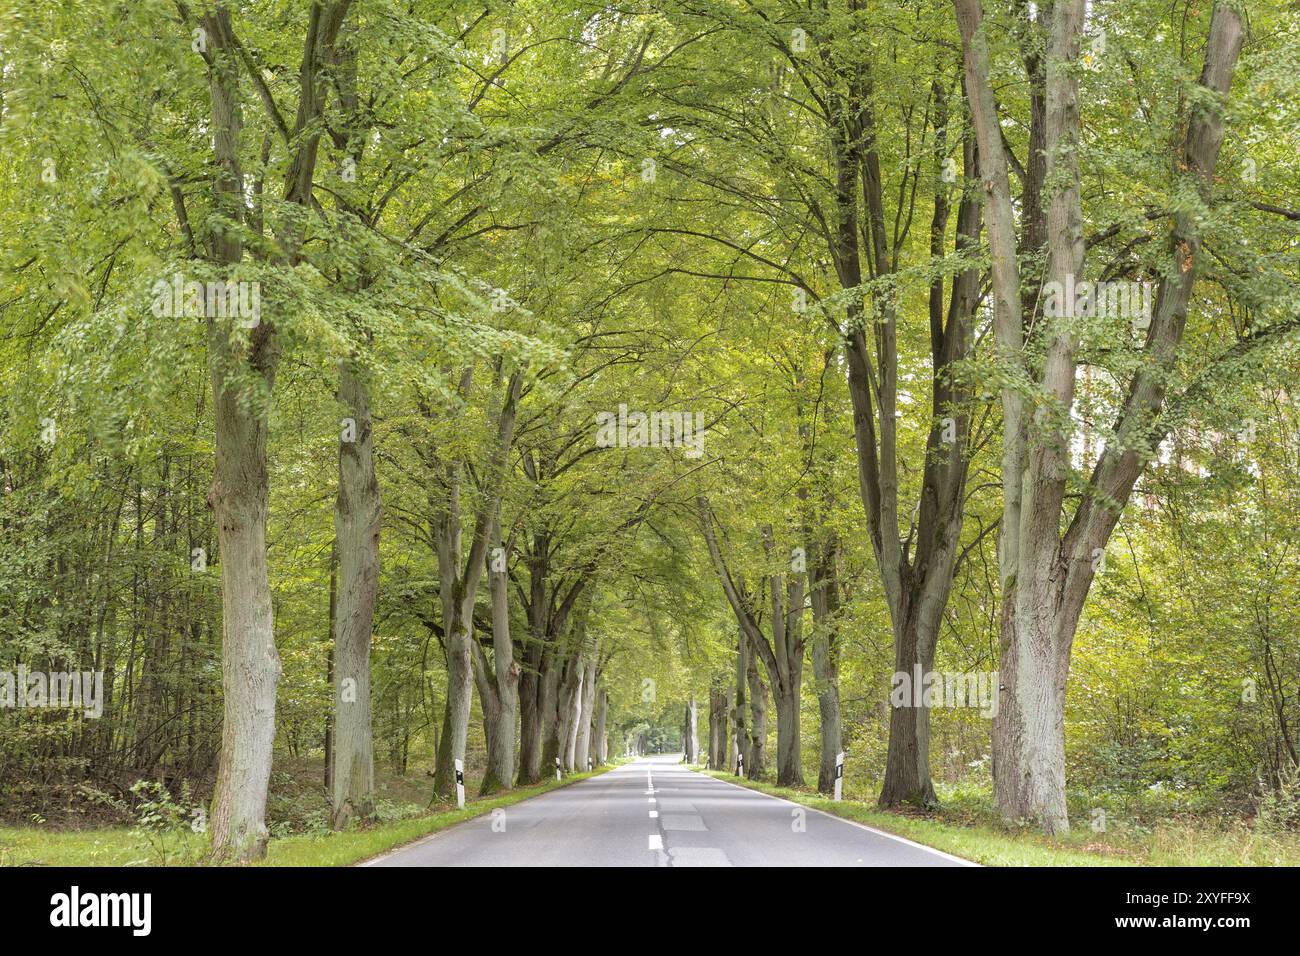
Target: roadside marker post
{"type": "Point", "coordinates": [590, 765]}
{"type": "Point", "coordinates": [740, 763]}
{"type": "Point", "coordinates": [460, 784]}
{"type": "Point", "coordinates": [839, 775]}
{"type": "Point", "coordinates": [557, 768]}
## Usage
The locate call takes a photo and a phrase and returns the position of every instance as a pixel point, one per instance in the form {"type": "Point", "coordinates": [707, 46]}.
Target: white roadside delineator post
{"type": "Point", "coordinates": [740, 764]}
{"type": "Point", "coordinates": [557, 768]}
{"type": "Point", "coordinates": [460, 784]}
{"type": "Point", "coordinates": [839, 775]}
{"type": "Point", "coordinates": [590, 766]}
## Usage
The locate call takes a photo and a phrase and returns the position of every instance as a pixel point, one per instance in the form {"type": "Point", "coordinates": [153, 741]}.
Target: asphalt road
{"type": "Point", "coordinates": [655, 812]}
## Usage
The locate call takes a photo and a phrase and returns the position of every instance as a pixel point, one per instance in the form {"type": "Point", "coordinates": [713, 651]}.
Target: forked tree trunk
{"type": "Point", "coordinates": [1046, 577]}
{"type": "Point", "coordinates": [250, 663]}
{"type": "Point", "coordinates": [356, 530]}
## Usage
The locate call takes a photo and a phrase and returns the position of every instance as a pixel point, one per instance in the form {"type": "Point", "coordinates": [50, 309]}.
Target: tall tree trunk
{"type": "Point", "coordinates": [357, 517]}
{"type": "Point", "coordinates": [601, 730]}
{"type": "Point", "coordinates": [907, 761]}
{"type": "Point", "coordinates": [250, 663]}
{"type": "Point", "coordinates": [691, 735]}
{"type": "Point", "coordinates": [825, 599]}
{"type": "Point", "coordinates": [739, 716]}
{"type": "Point", "coordinates": [530, 717]}
{"type": "Point", "coordinates": [550, 707]}
{"type": "Point", "coordinates": [498, 685]}
{"type": "Point", "coordinates": [789, 757]}
{"type": "Point", "coordinates": [718, 704]}
{"type": "Point", "coordinates": [1046, 577]}
{"type": "Point", "coordinates": [586, 712]}
{"type": "Point", "coordinates": [329, 669]}
{"type": "Point", "coordinates": [460, 698]}
{"type": "Point", "coordinates": [756, 730]}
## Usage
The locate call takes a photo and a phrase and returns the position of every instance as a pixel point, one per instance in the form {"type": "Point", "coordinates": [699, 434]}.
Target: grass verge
{"type": "Point", "coordinates": [122, 846]}
{"type": "Point", "coordinates": [1176, 843]}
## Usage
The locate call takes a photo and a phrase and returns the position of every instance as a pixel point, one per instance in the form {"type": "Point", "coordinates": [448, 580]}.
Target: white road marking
{"type": "Point", "coordinates": [852, 823]}
{"type": "Point", "coordinates": [654, 814]}
{"type": "Point", "coordinates": [656, 842]}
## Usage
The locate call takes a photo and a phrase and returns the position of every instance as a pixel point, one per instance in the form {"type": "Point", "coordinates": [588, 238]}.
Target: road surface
{"type": "Point", "coordinates": [655, 812]}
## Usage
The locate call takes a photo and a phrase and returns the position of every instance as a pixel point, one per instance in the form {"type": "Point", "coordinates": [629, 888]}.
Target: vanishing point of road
{"type": "Point", "coordinates": [655, 812]}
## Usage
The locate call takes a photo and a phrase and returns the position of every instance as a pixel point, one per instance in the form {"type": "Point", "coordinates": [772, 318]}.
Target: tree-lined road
{"type": "Point", "coordinates": [655, 812]}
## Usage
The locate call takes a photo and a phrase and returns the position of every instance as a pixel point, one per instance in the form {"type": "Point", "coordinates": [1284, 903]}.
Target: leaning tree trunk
{"type": "Point", "coordinates": [356, 530]}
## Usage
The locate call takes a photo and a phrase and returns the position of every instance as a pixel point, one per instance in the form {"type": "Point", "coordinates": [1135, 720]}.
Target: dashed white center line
{"type": "Point", "coordinates": [654, 814]}
{"type": "Point", "coordinates": [656, 842]}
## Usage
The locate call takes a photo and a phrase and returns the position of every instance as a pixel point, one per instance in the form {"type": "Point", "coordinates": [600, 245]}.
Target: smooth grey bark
{"type": "Point", "coordinates": [357, 518]}
{"type": "Point", "coordinates": [498, 684]}
{"type": "Point", "coordinates": [690, 732]}
{"type": "Point", "coordinates": [825, 599]}
{"type": "Point", "coordinates": [739, 714]}
{"type": "Point", "coordinates": [549, 704]}
{"type": "Point", "coordinates": [756, 769]}
{"type": "Point", "coordinates": [718, 706]}
{"type": "Point", "coordinates": [751, 709]}
{"type": "Point", "coordinates": [1045, 576]}
{"type": "Point", "coordinates": [586, 712]}
{"type": "Point", "coordinates": [601, 730]}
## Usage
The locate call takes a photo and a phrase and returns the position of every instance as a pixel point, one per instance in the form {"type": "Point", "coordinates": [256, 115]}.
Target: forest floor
{"type": "Point", "coordinates": [973, 832]}
{"type": "Point", "coordinates": [297, 817]}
